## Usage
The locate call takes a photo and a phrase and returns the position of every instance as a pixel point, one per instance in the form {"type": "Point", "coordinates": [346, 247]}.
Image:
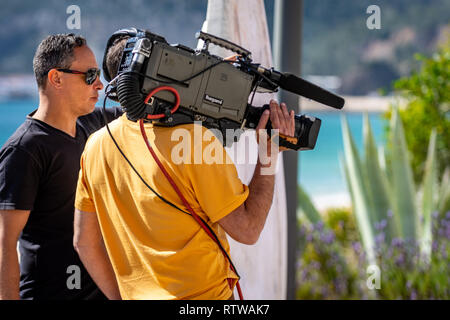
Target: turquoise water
{"type": "Point", "coordinates": [319, 169]}
{"type": "Point", "coordinates": [12, 114]}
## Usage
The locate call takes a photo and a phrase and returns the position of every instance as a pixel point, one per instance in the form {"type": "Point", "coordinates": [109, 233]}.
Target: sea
{"type": "Point", "coordinates": [320, 170]}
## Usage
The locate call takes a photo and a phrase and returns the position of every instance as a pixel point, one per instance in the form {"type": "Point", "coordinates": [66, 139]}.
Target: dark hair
{"type": "Point", "coordinates": [115, 54]}
{"type": "Point", "coordinates": [55, 51]}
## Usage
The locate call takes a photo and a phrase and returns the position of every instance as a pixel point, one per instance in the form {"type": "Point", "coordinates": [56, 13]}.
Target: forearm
{"type": "Point", "coordinates": [97, 263]}
{"type": "Point", "coordinates": [260, 197]}
{"type": "Point", "coordinates": [246, 223]}
{"type": "Point", "coordinates": [9, 274]}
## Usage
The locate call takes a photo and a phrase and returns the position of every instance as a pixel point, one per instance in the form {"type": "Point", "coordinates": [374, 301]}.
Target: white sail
{"type": "Point", "coordinates": [263, 266]}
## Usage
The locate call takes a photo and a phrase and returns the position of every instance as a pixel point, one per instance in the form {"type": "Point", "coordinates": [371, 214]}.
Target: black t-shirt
{"type": "Point", "coordinates": [39, 167]}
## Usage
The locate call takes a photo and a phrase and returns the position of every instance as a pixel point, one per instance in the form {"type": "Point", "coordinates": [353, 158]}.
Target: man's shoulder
{"type": "Point", "coordinates": [25, 144]}
{"type": "Point", "coordinates": [28, 137]}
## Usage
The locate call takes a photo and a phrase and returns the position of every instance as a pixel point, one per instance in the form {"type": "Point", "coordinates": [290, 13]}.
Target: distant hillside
{"type": "Point", "coordinates": [336, 40]}
{"type": "Point", "coordinates": [24, 23]}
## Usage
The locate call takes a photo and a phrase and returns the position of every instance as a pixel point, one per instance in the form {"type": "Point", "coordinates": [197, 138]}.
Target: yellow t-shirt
{"type": "Point", "coordinates": [158, 252]}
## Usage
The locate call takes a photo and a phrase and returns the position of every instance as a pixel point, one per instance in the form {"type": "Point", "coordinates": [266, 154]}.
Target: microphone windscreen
{"type": "Point", "coordinates": [308, 90]}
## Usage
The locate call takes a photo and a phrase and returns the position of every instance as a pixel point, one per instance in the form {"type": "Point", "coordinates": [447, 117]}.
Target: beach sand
{"type": "Point", "coordinates": [327, 201]}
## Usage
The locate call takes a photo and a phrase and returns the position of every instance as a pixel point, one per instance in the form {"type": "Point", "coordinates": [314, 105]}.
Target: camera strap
{"type": "Point", "coordinates": [199, 220]}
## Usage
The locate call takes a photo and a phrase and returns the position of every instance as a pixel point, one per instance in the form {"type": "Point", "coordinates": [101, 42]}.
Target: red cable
{"type": "Point", "coordinates": [162, 88]}
{"type": "Point", "coordinates": [183, 199]}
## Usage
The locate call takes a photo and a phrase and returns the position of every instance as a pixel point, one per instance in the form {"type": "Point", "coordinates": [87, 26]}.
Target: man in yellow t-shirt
{"type": "Point", "coordinates": [135, 245]}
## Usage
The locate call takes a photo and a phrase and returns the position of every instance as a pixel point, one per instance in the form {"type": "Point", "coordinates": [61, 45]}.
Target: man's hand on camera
{"type": "Point", "coordinates": [281, 119]}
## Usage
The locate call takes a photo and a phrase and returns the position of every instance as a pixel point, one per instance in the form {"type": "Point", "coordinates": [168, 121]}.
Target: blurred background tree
{"type": "Point", "coordinates": [427, 96]}
{"type": "Point", "coordinates": [336, 39]}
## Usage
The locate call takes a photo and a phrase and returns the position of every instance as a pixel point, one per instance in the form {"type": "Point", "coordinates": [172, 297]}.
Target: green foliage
{"type": "Point", "coordinates": [382, 187]}
{"type": "Point", "coordinates": [402, 228]}
{"type": "Point", "coordinates": [337, 41]}
{"type": "Point", "coordinates": [324, 271]}
{"type": "Point", "coordinates": [427, 93]}
{"type": "Point", "coordinates": [404, 276]}
{"type": "Point", "coordinates": [332, 263]}
{"type": "Point", "coordinates": [342, 222]}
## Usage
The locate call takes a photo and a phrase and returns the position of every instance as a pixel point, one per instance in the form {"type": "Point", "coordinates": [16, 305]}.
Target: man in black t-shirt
{"type": "Point", "coordinates": [39, 167]}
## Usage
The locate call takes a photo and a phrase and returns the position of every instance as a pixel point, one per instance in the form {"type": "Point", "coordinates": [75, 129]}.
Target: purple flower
{"type": "Point", "coordinates": [340, 284]}
{"type": "Point", "coordinates": [435, 246]}
{"type": "Point", "coordinates": [304, 275]}
{"type": "Point", "coordinates": [309, 237]}
{"type": "Point", "coordinates": [397, 242]}
{"type": "Point", "coordinates": [443, 251]}
{"type": "Point", "coordinates": [447, 231]}
{"type": "Point", "coordinates": [389, 213]}
{"type": "Point", "coordinates": [447, 215]}
{"type": "Point", "coordinates": [328, 237]}
{"type": "Point", "coordinates": [357, 247]}
{"type": "Point", "coordinates": [408, 284]}
{"type": "Point", "coordinates": [435, 214]}
{"type": "Point", "coordinates": [400, 259]}
{"type": "Point", "coordinates": [413, 295]}
{"type": "Point", "coordinates": [379, 239]}
{"type": "Point", "coordinates": [319, 226]}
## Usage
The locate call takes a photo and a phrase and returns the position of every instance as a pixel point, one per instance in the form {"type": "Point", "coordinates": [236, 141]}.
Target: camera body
{"type": "Point", "coordinates": [220, 92]}
{"type": "Point", "coordinates": [210, 89]}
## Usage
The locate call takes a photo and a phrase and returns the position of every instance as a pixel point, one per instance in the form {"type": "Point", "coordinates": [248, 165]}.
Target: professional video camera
{"type": "Point", "coordinates": [174, 84]}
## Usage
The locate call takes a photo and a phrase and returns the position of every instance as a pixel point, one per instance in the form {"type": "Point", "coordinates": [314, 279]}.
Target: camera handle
{"type": "Point", "coordinates": [209, 38]}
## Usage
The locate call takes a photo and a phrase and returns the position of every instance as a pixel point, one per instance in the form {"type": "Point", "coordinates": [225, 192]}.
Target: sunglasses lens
{"type": "Point", "coordinates": [91, 75]}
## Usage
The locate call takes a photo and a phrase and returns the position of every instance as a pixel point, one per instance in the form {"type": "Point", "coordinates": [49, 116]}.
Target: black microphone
{"type": "Point", "coordinates": [292, 83]}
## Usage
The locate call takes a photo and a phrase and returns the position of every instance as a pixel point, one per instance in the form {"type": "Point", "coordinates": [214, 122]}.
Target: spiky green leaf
{"type": "Point", "coordinates": [353, 168]}
{"type": "Point", "coordinates": [307, 207]}
{"type": "Point", "coordinates": [403, 188]}
{"type": "Point", "coordinates": [429, 197]}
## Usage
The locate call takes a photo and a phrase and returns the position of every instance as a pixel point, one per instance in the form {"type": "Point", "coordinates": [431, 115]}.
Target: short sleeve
{"type": "Point", "coordinates": [19, 179]}
{"type": "Point", "coordinates": [83, 198]}
{"type": "Point", "coordinates": [216, 184]}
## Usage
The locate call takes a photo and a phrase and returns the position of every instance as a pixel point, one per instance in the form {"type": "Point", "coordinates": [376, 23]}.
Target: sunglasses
{"type": "Point", "coordinates": [90, 75]}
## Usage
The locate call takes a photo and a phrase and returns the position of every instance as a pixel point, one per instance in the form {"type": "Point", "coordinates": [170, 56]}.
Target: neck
{"type": "Point", "coordinates": [53, 112]}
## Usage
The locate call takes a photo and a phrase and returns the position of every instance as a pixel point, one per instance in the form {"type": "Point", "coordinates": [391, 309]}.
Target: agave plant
{"type": "Point", "coordinates": [412, 220]}
{"type": "Point", "coordinates": [382, 186]}
{"type": "Point", "coordinates": [382, 189]}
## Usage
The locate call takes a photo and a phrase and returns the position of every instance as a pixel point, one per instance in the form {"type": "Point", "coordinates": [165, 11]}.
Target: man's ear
{"type": "Point", "coordinates": [54, 78]}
